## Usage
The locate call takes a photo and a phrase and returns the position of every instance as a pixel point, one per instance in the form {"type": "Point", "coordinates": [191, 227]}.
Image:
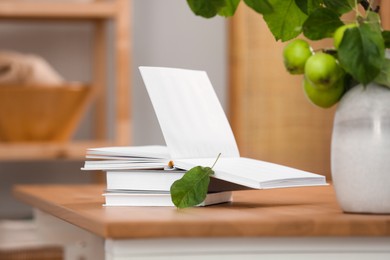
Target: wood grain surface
{"type": "Point", "coordinates": [297, 212]}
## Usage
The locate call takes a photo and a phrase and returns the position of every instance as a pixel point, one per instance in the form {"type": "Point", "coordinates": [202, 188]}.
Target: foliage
{"type": "Point", "coordinates": [362, 49]}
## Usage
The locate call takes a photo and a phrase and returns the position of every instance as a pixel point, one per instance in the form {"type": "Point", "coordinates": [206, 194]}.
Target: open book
{"type": "Point", "coordinates": [151, 157]}
{"type": "Point", "coordinates": [196, 130]}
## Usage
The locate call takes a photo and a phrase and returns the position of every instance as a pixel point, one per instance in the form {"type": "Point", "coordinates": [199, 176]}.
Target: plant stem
{"type": "Point", "coordinates": [356, 8]}
{"type": "Point", "coordinates": [219, 155]}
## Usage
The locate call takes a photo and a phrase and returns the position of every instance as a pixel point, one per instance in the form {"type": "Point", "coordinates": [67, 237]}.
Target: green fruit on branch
{"type": "Point", "coordinates": [324, 97]}
{"type": "Point", "coordinates": [322, 70]}
{"type": "Point", "coordinates": [295, 55]}
{"type": "Point", "coordinates": [360, 45]}
{"type": "Point", "coordinates": [339, 33]}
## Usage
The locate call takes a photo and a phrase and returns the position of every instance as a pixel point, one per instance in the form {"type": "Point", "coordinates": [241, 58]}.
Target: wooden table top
{"type": "Point", "coordinates": [309, 211]}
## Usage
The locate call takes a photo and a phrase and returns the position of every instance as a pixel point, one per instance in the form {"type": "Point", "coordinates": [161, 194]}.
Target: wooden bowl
{"type": "Point", "coordinates": [41, 113]}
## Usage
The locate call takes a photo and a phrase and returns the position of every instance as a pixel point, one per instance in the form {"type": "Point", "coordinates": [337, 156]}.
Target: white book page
{"type": "Point", "coordinates": [148, 151]}
{"type": "Point", "coordinates": [254, 173]}
{"type": "Point", "coordinates": [192, 120]}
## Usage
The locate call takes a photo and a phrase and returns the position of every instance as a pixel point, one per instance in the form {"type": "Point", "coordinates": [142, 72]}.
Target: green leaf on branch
{"type": "Point", "coordinates": [229, 9]}
{"type": "Point", "coordinates": [308, 6]}
{"type": "Point", "coordinates": [286, 20]}
{"type": "Point", "coordinates": [321, 24]}
{"type": "Point", "coordinates": [340, 6]}
{"type": "Point", "coordinates": [191, 189]}
{"type": "Point", "coordinates": [206, 8]}
{"type": "Point", "coordinates": [362, 52]}
{"type": "Point", "coordinates": [384, 76]}
{"type": "Point", "coordinates": [386, 37]}
{"type": "Point", "coordinates": [260, 6]}
{"type": "Point", "coordinates": [373, 19]}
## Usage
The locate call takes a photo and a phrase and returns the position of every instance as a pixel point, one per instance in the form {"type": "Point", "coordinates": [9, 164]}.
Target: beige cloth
{"type": "Point", "coordinates": [26, 69]}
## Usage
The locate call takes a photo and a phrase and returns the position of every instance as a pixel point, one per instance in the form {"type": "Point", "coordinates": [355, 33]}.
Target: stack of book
{"type": "Point", "coordinates": [195, 130]}
{"type": "Point", "coordinates": [142, 176]}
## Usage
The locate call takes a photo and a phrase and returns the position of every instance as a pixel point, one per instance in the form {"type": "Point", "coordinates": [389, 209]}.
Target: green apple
{"type": "Point", "coordinates": [339, 34]}
{"type": "Point", "coordinates": [295, 55]}
{"type": "Point", "coordinates": [323, 70]}
{"type": "Point", "coordinates": [324, 98]}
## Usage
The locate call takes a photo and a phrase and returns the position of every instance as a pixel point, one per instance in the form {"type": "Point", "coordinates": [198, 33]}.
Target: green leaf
{"type": "Point", "coordinates": [206, 8]}
{"type": "Point", "coordinates": [340, 6]}
{"type": "Point", "coordinates": [210, 8]}
{"type": "Point", "coordinates": [321, 24]}
{"type": "Point", "coordinates": [386, 37]}
{"type": "Point", "coordinates": [308, 6]}
{"type": "Point", "coordinates": [373, 19]}
{"type": "Point", "coordinates": [361, 52]}
{"type": "Point", "coordinates": [260, 6]}
{"type": "Point", "coordinates": [229, 9]}
{"type": "Point", "coordinates": [191, 189]}
{"type": "Point", "coordinates": [384, 76]}
{"type": "Point", "coordinates": [285, 22]}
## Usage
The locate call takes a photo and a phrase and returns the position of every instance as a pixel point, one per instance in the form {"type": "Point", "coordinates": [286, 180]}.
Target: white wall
{"type": "Point", "coordinates": [165, 33]}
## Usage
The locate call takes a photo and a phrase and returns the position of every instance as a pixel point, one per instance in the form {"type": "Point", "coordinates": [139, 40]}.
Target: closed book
{"type": "Point", "coordinates": [157, 180]}
{"type": "Point", "coordinates": [153, 180]}
{"type": "Point", "coordinates": [157, 199]}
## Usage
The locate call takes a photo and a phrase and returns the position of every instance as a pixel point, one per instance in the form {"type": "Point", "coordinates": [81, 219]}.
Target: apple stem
{"type": "Point", "coordinates": [330, 51]}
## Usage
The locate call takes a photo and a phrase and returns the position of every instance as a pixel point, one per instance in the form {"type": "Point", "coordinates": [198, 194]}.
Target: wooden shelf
{"type": "Point", "coordinates": [99, 12]}
{"type": "Point", "coordinates": [14, 9]}
{"type": "Point", "coordinates": [47, 151]}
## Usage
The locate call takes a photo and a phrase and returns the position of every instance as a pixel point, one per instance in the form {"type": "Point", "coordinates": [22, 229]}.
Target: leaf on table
{"type": "Point", "coordinates": [191, 189]}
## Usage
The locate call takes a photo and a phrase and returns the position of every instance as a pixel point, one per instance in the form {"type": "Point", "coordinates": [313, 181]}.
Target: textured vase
{"type": "Point", "coordinates": [360, 153]}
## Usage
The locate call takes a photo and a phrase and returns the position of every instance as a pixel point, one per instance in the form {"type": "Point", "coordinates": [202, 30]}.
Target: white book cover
{"type": "Point", "coordinates": [196, 130]}
{"type": "Point", "coordinates": [157, 180]}
{"type": "Point", "coordinates": [157, 199]}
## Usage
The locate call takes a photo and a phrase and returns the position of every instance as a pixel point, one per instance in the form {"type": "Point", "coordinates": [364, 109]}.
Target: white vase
{"type": "Point", "coordinates": [360, 154]}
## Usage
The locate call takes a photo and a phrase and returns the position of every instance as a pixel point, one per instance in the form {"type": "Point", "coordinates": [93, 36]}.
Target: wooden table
{"type": "Point", "coordinates": [296, 223]}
